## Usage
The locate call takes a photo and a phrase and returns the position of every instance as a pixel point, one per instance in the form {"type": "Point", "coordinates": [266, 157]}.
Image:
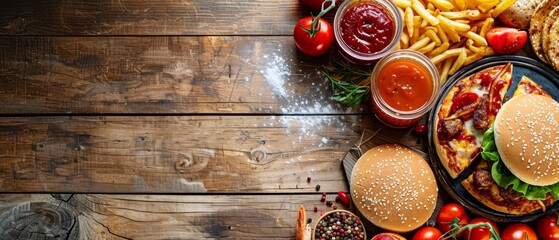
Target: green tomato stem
{"type": "Point", "coordinates": [315, 27]}
{"type": "Point", "coordinates": [456, 228]}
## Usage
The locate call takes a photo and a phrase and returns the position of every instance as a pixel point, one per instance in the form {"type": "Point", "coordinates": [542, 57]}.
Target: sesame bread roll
{"type": "Point", "coordinates": [394, 188]}
{"type": "Point", "coordinates": [527, 138]}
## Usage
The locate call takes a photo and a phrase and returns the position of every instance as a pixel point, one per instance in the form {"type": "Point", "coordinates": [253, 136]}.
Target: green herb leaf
{"type": "Point", "coordinates": [350, 85]}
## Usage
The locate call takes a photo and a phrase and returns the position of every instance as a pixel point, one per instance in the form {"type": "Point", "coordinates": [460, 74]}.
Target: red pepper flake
{"type": "Point", "coordinates": [335, 207]}
{"type": "Point", "coordinates": [323, 198]}
{"type": "Point", "coordinates": [315, 209]}
{"type": "Point", "coordinates": [309, 179]}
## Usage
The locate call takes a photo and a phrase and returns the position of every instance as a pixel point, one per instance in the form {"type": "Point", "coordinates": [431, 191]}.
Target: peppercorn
{"type": "Point", "coordinates": [315, 209]}
{"type": "Point", "coordinates": [323, 199]}
{"type": "Point", "coordinates": [317, 188]}
{"type": "Point", "coordinates": [308, 178]}
{"type": "Point", "coordinates": [333, 227]}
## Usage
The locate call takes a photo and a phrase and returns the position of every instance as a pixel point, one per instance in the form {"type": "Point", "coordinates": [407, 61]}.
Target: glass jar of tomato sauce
{"type": "Point", "coordinates": [404, 86]}
{"type": "Point", "coordinates": [367, 30]}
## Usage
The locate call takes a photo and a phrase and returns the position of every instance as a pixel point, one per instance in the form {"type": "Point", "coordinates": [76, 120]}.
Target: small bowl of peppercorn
{"type": "Point", "coordinates": [339, 224]}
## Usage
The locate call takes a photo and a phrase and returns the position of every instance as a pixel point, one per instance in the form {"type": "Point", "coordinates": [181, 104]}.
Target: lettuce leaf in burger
{"type": "Point", "coordinates": [504, 177]}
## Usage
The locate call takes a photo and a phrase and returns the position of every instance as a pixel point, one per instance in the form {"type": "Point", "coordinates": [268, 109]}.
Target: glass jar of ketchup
{"type": "Point", "coordinates": [367, 30]}
{"type": "Point", "coordinates": [404, 86]}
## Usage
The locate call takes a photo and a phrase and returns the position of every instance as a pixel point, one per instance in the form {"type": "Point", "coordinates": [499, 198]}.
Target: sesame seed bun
{"type": "Point", "coordinates": [394, 188]}
{"type": "Point", "coordinates": [527, 138]}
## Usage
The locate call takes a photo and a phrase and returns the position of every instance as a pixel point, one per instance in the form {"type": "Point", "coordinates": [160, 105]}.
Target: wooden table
{"type": "Point", "coordinates": [165, 120]}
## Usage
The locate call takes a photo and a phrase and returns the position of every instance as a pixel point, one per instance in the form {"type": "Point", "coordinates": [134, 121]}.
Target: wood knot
{"type": "Point", "coordinates": [37, 147]}
{"type": "Point", "coordinates": [258, 155]}
{"type": "Point", "coordinates": [184, 161]}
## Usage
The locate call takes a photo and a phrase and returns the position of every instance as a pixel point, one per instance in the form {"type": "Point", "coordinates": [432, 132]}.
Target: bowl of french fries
{"type": "Point", "coordinates": [450, 32]}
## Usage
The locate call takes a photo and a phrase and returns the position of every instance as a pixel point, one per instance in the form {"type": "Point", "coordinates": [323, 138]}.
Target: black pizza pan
{"type": "Point", "coordinates": [522, 66]}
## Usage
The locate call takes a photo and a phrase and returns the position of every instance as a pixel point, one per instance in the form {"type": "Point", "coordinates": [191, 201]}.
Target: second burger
{"type": "Point", "coordinates": [394, 188]}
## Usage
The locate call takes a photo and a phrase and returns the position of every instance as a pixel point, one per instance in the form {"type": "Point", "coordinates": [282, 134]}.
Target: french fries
{"type": "Point", "coordinates": [450, 32]}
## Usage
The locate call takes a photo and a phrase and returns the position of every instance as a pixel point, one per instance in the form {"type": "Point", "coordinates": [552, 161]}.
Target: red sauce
{"type": "Point", "coordinates": [367, 28]}
{"type": "Point", "coordinates": [486, 79]}
{"type": "Point", "coordinates": [462, 100]}
{"type": "Point", "coordinates": [392, 121]}
{"type": "Point", "coordinates": [497, 101]}
{"type": "Point", "coordinates": [404, 85]}
{"type": "Point", "coordinates": [463, 136]}
{"type": "Point", "coordinates": [529, 88]}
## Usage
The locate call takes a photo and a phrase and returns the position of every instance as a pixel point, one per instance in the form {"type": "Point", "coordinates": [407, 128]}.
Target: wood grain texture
{"type": "Point", "coordinates": [158, 216]}
{"type": "Point", "coordinates": [167, 17]}
{"type": "Point", "coordinates": [162, 75]}
{"type": "Point", "coordinates": [178, 154]}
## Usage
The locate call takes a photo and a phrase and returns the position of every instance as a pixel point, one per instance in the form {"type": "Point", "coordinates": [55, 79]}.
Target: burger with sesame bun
{"type": "Point", "coordinates": [520, 170]}
{"type": "Point", "coordinates": [394, 188]}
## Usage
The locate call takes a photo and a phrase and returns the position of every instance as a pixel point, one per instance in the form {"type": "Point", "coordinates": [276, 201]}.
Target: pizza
{"type": "Point", "coordinates": [481, 185]}
{"type": "Point", "coordinates": [465, 113]}
{"type": "Point", "coordinates": [528, 86]}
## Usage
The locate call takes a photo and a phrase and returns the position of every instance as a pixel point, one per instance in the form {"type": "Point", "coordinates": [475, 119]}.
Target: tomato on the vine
{"type": "Point", "coordinates": [313, 44]}
{"type": "Point", "coordinates": [518, 231]}
{"type": "Point", "coordinates": [547, 228]}
{"type": "Point", "coordinates": [315, 4]}
{"type": "Point", "coordinates": [505, 40]}
{"type": "Point", "coordinates": [480, 233]}
{"type": "Point", "coordinates": [447, 214]}
{"type": "Point", "coordinates": [427, 233]}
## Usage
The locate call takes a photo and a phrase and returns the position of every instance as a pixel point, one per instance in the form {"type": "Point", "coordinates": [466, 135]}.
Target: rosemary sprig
{"type": "Point", "coordinates": [350, 85]}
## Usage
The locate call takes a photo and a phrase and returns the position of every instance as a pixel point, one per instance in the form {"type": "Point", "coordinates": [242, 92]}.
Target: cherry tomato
{"type": "Point", "coordinates": [480, 233]}
{"type": "Point", "coordinates": [318, 44]}
{"type": "Point", "coordinates": [505, 40]}
{"type": "Point", "coordinates": [315, 4]}
{"type": "Point", "coordinates": [547, 228]}
{"type": "Point", "coordinates": [427, 233]}
{"type": "Point", "coordinates": [447, 213]}
{"type": "Point", "coordinates": [518, 231]}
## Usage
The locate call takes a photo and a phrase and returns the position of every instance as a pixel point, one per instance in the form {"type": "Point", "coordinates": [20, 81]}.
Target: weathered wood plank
{"type": "Point", "coordinates": [178, 153]}
{"type": "Point", "coordinates": [167, 17]}
{"type": "Point", "coordinates": [218, 75]}
{"type": "Point", "coordinates": [158, 216]}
